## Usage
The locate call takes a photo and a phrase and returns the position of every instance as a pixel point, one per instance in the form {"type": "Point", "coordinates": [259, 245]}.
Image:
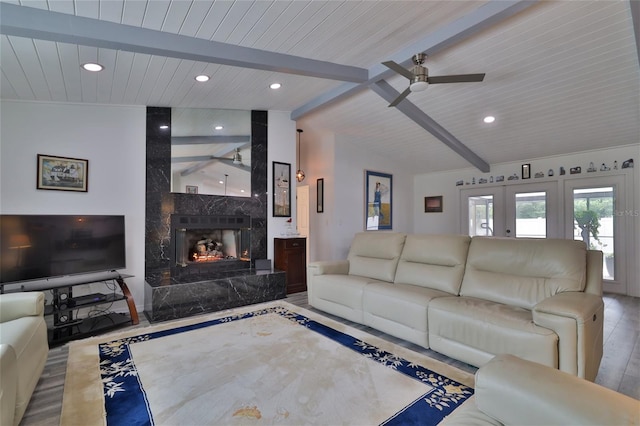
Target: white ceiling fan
{"type": "Point", "coordinates": [419, 77]}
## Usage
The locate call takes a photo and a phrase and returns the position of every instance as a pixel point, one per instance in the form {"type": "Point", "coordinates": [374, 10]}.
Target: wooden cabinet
{"type": "Point", "coordinates": [291, 257]}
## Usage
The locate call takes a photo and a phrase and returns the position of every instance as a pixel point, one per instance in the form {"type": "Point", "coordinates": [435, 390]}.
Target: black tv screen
{"type": "Point", "coordinates": [34, 247]}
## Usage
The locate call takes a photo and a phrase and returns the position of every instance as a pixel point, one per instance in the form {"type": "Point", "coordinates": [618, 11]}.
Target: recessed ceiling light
{"type": "Point", "coordinates": [202, 78]}
{"type": "Point", "coordinates": [242, 190]}
{"type": "Point", "coordinates": [164, 127]}
{"type": "Point", "coordinates": [220, 182]}
{"type": "Point", "coordinates": [218, 127]}
{"type": "Point", "coordinates": [90, 66]}
{"type": "Point", "coordinates": [275, 85]}
{"type": "Point", "coordinates": [489, 119]}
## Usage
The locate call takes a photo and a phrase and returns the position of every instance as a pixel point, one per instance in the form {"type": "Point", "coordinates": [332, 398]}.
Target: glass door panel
{"type": "Point", "coordinates": [593, 223]}
{"type": "Point", "coordinates": [483, 211]}
{"type": "Point", "coordinates": [531, 215]}
{"type": "Point", "coordinates": [481, 215]}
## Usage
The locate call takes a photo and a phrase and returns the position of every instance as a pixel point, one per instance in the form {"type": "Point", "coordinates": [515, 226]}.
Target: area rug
{"type": "Point", "coordinates": [272, 363]}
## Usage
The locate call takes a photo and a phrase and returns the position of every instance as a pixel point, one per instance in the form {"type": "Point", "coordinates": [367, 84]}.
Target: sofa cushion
{"type": "Point", "coordinates": [480, 329]}
{"type": "Point", "coordinates": [399, 309]}
{"type": "Point", "coordinates": [375, 254]}
{"type": "Point", "coordinates": [433, 261]}
{"type": "Point", "coordinates": [522, 272]}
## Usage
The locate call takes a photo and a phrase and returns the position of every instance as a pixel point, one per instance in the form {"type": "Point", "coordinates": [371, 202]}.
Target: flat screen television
{"type": "Point", "coordinates": [36, 247]}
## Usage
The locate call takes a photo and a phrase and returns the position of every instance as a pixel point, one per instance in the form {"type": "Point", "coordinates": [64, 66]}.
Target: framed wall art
{"type": "Point", "coordinates": [433, 204]}
{"type": "Point", "coordinates": [281, 192]}
{"type": "Point", "coordinates": [526, 171]}
{"type": "Point", "coordinates": [320, 195]}
{"type": "Point", "coordinates": [378, 200]}
{"type": "Point", "coordinates": [62, 173]}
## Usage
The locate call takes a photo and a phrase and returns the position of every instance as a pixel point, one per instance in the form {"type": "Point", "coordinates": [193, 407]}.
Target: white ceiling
{"type": "Point", "coordinates": [561, 76]}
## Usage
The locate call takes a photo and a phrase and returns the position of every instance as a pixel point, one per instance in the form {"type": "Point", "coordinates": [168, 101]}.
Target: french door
{"type": "Point", "coordinates": [528, 210]}
{"type": "Point", "coordinates": [593, 214]}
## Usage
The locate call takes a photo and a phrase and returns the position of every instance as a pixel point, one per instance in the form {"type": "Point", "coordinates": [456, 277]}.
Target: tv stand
{"type": "Point", "coordinates": [69, 324]}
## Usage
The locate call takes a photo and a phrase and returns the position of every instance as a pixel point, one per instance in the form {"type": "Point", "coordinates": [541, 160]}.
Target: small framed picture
{"type": "Point", "coordinates": [192, 189]}
{"type": "Point", "coordinates": [526, 171]}
{"type": "Point", "coordinates": [62, 173]}
{"type": "Point", "coordinates": [320, 195]}
{"type": "Point", "coordinates": [433, 204]}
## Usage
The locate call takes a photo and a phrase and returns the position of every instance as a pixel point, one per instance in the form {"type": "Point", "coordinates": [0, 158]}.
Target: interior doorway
{"type": "Point", "coordinates": [302, 213]}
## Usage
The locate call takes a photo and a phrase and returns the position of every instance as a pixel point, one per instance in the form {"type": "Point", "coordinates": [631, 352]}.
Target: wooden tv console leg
{"type": "Point", "coordinates": [130, 303]}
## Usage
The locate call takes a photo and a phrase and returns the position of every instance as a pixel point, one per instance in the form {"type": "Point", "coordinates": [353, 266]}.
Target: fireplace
{"type": "Point", "coordinates": [210, 243]}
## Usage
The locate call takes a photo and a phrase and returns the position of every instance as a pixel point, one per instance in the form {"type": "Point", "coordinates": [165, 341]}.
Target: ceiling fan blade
{"type": "Point", "coordinates": [397, 68]}
{"type": "Point", "coordinates": [403, 95]}
{"type": "Point", "coordinates": [462, 78]}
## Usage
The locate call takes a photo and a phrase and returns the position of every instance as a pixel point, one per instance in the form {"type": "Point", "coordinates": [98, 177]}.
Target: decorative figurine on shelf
{"type": "Point", "coordinates": [562, 171]}
{"type": "Point", "coordinates": [473, 181]}
{"type": "Point", "coordinates": [539, 175]}
{"type": "Point", "coordinates": [615, 165]}
{"type": "Point", "coordinates": [550, 172]}
{"type": "Point", "coordinates": [591, 168]}
{"type": "Point", "coordinates": [628, 164]}
{"type": "Point", "coordinates": [459, 183]}
{"type": "Point", "coordinates": [500, 178]}
{"type": "Point", "coordinates": [490, 179]}
{"type": "Point", "coordinates": [575, 170]}
{"type": "Point", "coordinates": [513, 177]}
{"type": "Point", "coordinates": [604, 168]}
{"type": "Point", "coordinates": [482, 180]}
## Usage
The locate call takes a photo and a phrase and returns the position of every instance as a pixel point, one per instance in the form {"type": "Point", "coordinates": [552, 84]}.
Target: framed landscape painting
{"type": "Point", "coordinates": [62, 173]}
{"type": "Point", "coordinates": [378, 200]}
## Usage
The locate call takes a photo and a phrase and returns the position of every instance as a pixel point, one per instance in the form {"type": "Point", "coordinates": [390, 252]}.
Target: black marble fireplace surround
{"type": "Point", "coordinates": [172, 291]}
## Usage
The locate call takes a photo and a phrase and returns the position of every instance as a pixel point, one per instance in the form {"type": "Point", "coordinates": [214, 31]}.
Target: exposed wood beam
{"type": "Point", "coordinates": [42, 24]}
{"type": "Point", "coordinates": [480, 19]}
{"type": "Point", "coordinates": [200, 140]}
{"type": "Point", "coordinates": [386, 91]}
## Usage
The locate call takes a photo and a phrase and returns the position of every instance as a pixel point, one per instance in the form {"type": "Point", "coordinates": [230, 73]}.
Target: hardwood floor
{"type": "Point", "coordinates": [619, 369]}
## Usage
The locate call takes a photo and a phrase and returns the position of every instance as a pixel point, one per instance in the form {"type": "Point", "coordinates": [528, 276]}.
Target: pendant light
{"type": "Point", "coordinates": [300, 173]}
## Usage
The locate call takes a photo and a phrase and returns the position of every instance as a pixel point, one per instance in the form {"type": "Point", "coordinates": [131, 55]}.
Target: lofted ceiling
{"type": "Point", "coordinates": [561, 76]}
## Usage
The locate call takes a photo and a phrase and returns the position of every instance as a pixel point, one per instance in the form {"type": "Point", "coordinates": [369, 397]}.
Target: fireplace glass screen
{"type": "Point", "coordinates": [212, 240]}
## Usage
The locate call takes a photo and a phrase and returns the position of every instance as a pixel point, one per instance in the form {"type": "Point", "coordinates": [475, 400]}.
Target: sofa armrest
{"type": "Point", "coordinates": [327, 267]}
{"type": "Point", "coordinates": [8, 384]}
{"type": "Point", "coordinates": [18, 305]}
{"type": "Point", "coordinates": [577, 319]}
{"type": "Point", "coordinates": [515, 391]}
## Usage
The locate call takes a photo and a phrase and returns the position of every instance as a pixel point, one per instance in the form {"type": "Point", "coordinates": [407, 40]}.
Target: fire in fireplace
{"type": "Point", "coordinates": [205, 240]}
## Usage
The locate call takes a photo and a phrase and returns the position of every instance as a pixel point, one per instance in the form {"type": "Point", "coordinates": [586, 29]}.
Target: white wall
{"type": "Point", "coordinates": [342, 164]}
{"type": "Point", "coordinates": [449, 220]}
{"type": "Point", "coordinates": [112, 138]}
{"type": "Point", "coordinates": [281, 148]}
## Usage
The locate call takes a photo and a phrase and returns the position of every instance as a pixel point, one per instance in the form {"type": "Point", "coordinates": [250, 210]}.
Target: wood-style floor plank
{"type": "Point", "coordinates": [619, 369]}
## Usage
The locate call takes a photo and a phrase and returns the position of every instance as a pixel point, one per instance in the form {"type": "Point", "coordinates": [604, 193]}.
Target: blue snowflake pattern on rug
{"type": "Point", "coordinates": [126, 401]}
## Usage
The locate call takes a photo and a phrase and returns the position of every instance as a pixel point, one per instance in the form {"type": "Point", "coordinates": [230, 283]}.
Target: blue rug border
{"type": "Point", "coordinates": [126, 401]}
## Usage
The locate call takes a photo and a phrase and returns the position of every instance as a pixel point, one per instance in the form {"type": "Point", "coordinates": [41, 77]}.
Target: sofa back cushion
{"type": "Point", "coordinates": [375, 254]}
{"type": "Point", "coordinates": [434, 261]}
{"type": "Point", "coordinates": [522, 272]}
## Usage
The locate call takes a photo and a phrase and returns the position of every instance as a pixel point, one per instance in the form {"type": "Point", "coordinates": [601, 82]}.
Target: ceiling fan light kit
{"type": "Point", "coordinates": [419, 78]}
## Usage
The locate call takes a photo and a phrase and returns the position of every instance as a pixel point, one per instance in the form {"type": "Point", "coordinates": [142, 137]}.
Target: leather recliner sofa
{"type": "Point", "coordinates": [24, 349]}
{"type": "Point", "coordinates": [472, 298]}
{"type": "Point", "coordinates": [512, 391]}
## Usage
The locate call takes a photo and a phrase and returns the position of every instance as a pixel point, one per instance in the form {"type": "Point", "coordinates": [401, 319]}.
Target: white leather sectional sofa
{"type": "Point", "coordinates": [23, 352]}
{"type": "Point", "coordinates": [472, 298]}
{"type": "Point", "coordinates": [512, 391]}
